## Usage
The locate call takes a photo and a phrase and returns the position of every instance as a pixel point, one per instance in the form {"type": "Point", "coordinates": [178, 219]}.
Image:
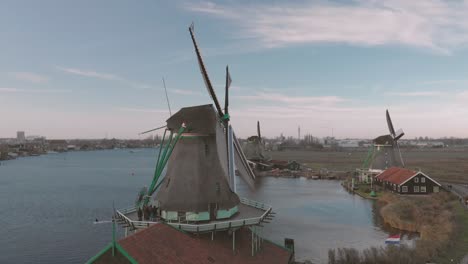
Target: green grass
{"type": "Point", "coordinates": [363, 191]}
{"type": "Point", "coordinates": [459, 245]}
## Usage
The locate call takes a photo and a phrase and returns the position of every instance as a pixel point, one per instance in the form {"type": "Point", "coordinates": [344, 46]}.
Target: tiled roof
{"type": "Point", "coordinates": [396, 175]}
{"type": "Point", "coordinates": [161, 243]}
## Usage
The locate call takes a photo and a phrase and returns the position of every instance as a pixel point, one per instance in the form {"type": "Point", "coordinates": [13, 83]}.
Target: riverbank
{"type": "Point", "coordinates": [440, 220]}
{"type": "Point", "coordinates": [362, 189]}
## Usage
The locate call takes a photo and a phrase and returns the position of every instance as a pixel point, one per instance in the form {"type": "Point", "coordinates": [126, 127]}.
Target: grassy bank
{"type": "Point", "coordinates": [439, 219]}
{"type": "Point", "coordinates": [458, 245]}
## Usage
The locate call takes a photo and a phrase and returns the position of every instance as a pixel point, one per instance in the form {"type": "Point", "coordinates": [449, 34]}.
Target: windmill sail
{"type": "Point", "coordinates": [242, 165]}
{"type": "Point", "coordinates": [204, 73]}
{"type": "Point", "coordinates": [240, 160]}
{"type": "Point", "coordinates": [258, 131]}
{"type": "Point", "coordinates": [226, 98]}
{"type": "Point", "coordinates": [167, 97]}
{"type": "Point", "coordinates": [396, 136]}
{"type": "Point", "coordinates": [390, 124]}
{"type": "Point", "coordinates": [151, 130]}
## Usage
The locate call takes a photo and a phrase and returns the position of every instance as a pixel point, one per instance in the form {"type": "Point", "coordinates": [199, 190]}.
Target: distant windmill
{"type": "Point", "coordinates": [385, 151]}
{"type": "Point", "coordinates": [254, 148]}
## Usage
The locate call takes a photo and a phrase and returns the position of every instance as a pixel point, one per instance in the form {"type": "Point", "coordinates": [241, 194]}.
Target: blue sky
{"type": "Point", "coordinates": [89, 68]}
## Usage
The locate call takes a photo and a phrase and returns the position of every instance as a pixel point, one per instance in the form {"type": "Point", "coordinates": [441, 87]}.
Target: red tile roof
{"type": "Point", "coordinates": [161, 243]}
{"type": "Point", "coordinates": [396, 175]}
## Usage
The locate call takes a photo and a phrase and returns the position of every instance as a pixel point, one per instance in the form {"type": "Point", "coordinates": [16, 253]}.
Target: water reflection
{"type": "Point", "coordinates": [319, 215]}
{"type": "Point", "coordinates": [50, 202]}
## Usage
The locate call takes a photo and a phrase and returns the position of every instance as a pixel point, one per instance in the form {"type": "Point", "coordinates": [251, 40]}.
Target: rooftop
{"type": "Point", "coordinates": [162, 243]}
{"type": "Point", "coordinates": [396, 175]}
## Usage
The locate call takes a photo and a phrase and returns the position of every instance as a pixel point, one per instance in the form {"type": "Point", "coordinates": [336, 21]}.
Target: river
{"type": "Point", "coordinates": [48, 205]}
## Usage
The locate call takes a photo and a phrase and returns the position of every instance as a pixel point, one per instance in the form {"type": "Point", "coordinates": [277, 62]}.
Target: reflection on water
{"type": "Point", "coordinates": [49, 203]}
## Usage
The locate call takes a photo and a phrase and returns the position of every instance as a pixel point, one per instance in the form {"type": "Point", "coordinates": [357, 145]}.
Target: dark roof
{"type": "Point", "coordinates": [161, 243]}
{"type": "Point", "coordinates": [384, 140]}
{"type": "Point", "coordinates": [198, 119]}
{"type": "Point", "coordinates": [399, 176]}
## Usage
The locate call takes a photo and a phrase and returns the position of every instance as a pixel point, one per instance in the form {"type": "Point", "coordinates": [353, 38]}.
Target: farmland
{"type": "Point", "coordinates": [448, 164]}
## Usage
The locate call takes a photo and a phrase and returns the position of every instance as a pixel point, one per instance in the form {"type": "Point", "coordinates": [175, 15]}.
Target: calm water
{"type": "Point", "coordinates": [48, 204]}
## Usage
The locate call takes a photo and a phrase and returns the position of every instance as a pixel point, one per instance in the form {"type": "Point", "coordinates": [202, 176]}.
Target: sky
{"type": "Point", "coordinates": [94, 69]}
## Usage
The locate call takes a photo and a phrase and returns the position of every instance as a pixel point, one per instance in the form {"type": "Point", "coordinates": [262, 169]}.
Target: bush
{"type": "Point", "coordinates": [383, 255]}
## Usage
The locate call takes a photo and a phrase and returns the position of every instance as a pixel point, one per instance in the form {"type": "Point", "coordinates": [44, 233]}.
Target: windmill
{"type": "Point", "coordinates": [385, 152]}
{"type": "Point", "coordinates": [202, 155]}
{"type": "Point", "coordinates": [254, 149]}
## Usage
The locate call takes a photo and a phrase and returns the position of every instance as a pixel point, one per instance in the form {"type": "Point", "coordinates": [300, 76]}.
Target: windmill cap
{"type": "Point", "coordinates": [198, 119]}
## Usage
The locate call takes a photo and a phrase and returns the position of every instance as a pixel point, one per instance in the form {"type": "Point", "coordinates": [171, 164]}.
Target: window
{"type": "Point", "coordinates": [435, 189]}
{"type": "Point", "coordinates": [416, 189]}
{"type": "Point", "coordinates": [398, 188]}
{"type": "Point", "coordinates": [416, 179]}
{"type": "Point", "coordinates": [423, 179]}
{"type": "Point", "coordinates": [394, 187]}
{"type": "Point", "coordinates": [423, 189]}
{"type": "Point", "coordinates": [404, 189]}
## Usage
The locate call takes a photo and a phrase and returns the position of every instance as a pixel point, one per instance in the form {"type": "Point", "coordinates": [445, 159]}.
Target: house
{"type": "Point", "coordinates": [405, 181]}
{"type": "Point", "coordinates": [161, 243]}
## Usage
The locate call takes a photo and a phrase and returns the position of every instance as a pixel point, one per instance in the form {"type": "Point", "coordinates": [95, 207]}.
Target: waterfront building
{"type": "Point", "coordinates": [405, 181]}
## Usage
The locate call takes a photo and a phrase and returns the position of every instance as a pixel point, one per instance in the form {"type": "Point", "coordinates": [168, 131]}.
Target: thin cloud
{"type": "Point", "coordinates": [92, 74]}
{"type": "Point", "coordinates": [142, 110]}
{"type": "Point", "coordinates": [282, 98]}
{"type": "Point", "coordinates": [33, 91]}
{"type": "Point", "coordinates": [184, 92]}
{"type": "Point", "coordinates": [29, 77]}
{"type": "Point", "coordinates": [453, 81]}
{"type": "Point", "coordinates": [433, 24]}
{"type": "Point", "coordinates": [106, 76]}
{"type": "Point", "coordinates": [9, 90]}
{"type": "Point", "coordinates": [416, 94]}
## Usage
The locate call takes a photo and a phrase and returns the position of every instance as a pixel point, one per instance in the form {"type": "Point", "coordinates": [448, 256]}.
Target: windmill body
{"type": "Point", "coordinates": [196, 185]}
{"type": "Point", "coordinates": [254, 150]}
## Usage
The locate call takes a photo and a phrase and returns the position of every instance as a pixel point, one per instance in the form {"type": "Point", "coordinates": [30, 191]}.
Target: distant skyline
{"type": "Point", "coordinates": [87, 69]}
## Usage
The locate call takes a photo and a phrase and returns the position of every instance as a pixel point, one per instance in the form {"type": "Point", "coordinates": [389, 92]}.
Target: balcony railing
{"type": "Point", "coordinates": [200, 228]}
